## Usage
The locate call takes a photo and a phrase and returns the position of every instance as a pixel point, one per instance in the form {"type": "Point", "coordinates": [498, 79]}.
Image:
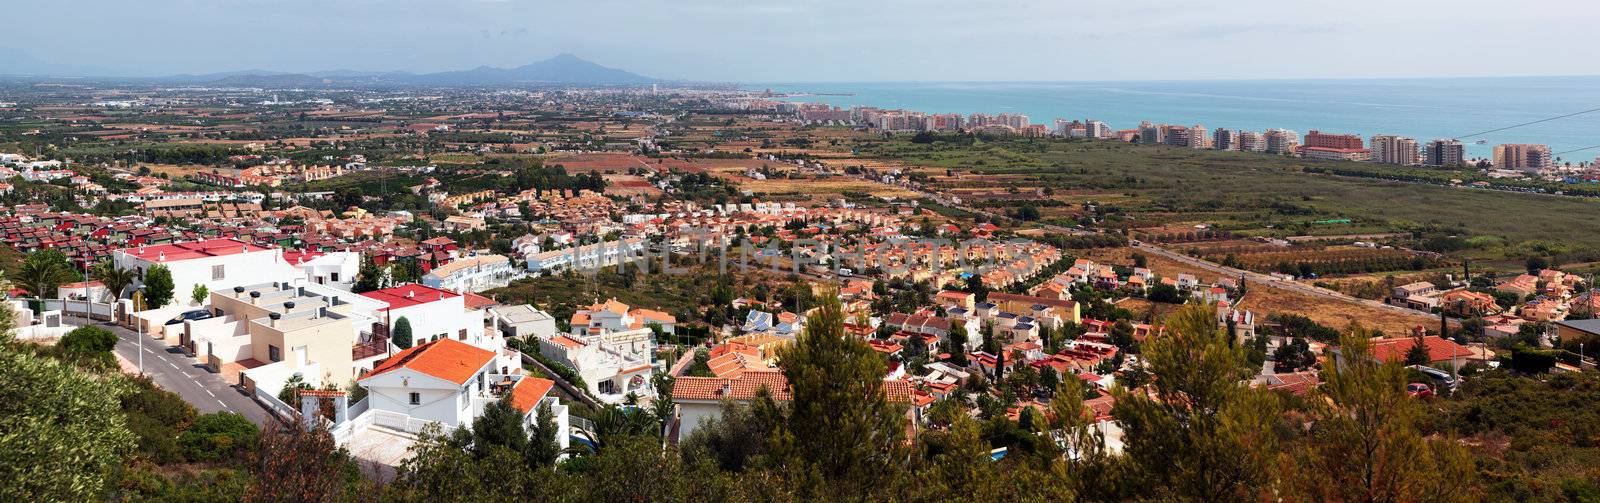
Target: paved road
{"type": "Point", "coordinates": [176, 372]}
{"type": "Point", "coordinates": [1271, 281]}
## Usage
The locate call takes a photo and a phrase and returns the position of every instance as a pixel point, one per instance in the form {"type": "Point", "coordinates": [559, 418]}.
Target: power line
{"type": "Point", "coordinates": [1547, 119]}
{"type": "Point", "coordinates": [1576, 149]}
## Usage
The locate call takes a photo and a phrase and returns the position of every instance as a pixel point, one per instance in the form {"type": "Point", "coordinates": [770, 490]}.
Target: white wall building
{"type": "Point", "coordinates": [472, 274]}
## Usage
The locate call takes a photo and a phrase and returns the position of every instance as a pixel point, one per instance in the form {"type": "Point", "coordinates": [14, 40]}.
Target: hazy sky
{"type": "Point", "coordinates": [825, 40]}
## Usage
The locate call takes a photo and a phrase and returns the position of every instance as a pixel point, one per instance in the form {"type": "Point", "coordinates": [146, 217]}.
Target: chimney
{"type": "Point", "coordinates": [255, 296]}
{"type": "Point", "coordinates": [411, 294]}
{"type": "Point", "coordinates": [238, 289]}
{"type": "Point", "coordinates": [274, 317]}
{"type": "Point", "coordinates": [288, 305]}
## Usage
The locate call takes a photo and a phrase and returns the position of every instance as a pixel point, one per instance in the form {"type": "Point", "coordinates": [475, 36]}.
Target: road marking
{"type": "Point", "coordinates": [219, 402]}
{"type": "Point", "coordinates": [174, 365]}
{"type": "Point", "coordinates": [208, 392]}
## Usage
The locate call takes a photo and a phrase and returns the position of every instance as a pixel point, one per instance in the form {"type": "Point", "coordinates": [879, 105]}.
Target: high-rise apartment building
{"type": "Point", "coordinates": [1225, 139]}
{"type": "Point", "coordinates": [1392, 149]}
{"type": "Point", "coordinates": [1282, 141]}
{"type": "Point", "coordinates": [1096, 129]}
{"type": "Point", "coordinates": [1251, 141]}
{"type": "Point", "coordinates": [1199, 137]}
{"type": "Point", "coordinates": [1152, 134]}
{"type": "Point", "coordinates": [1522, 156]}
{"type": "Point", "coordinates": [1177, 136]}
{"type": "Point", "coordinates": [1443, 152]}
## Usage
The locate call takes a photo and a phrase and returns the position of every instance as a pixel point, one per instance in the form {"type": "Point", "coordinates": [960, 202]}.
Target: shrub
{"type": "Point", "coordinates": [218, 435]}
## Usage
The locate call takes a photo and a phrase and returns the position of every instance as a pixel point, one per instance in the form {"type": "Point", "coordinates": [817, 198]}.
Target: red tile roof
{"type": "Point", "coordinates": [528, 392]}
{"type": "Point", "coordinates": [1395, 349]}
{"type": "Point", "coordinates": [409, 295]}
{"type": "Point", "coordinates": [446, 359]}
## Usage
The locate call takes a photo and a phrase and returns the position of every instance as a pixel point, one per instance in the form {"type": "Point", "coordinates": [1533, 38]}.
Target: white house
{"type": "Point", "coordinates": [523, 321]}
{"type": "Point", "coordinates": [218, 264]}
{"type": "Point", "coordinates": [336, 269]}
{"type": "Point", "coordinates": [434, 314]}
{"type": "Point", "coordinates": [444, 381]}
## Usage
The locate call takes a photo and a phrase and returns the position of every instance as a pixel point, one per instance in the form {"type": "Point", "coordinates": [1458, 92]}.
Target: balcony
{"type": "Point", "coordinates": [370, 347]}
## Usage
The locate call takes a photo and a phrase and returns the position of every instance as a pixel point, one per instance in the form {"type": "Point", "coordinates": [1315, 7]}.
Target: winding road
{"type": "Point", "coordinates": [174, 371]}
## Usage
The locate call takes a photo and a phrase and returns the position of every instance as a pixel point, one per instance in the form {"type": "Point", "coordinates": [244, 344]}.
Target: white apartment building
{"type": "Point", "coordinates": [472, 274]}
{"type": "Point", "coordinates": [585, 257]}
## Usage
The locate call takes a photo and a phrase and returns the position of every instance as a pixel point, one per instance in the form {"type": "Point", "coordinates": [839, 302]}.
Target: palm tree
{"type": "Point", "coordinates": [40, 277]}
{"type": "Point", "coordinates": [116, 279]}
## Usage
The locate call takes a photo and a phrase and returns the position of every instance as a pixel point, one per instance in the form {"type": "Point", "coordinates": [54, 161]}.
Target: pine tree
{"type": "Point", "coordinates": [841, 431]}
{"type": "Point", "coordinates": [1205, 434]}
{"type": "Point", "coordinates": [1365, 442]}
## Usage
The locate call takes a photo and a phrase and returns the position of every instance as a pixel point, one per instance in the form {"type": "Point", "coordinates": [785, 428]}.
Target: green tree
{"type": "Point", "coordinates": [956, 344]}
{"type": "Point", "coordinates": [116, 279]}
{"type": "Point", "coordinates": [61, 430]}
{"type": "Point", "coordinates": [498, 427]}
{"type": "Point", "coordinates": [543, 448]}
{"type": "Point", "coordinates": [1202, 433]}
{"type": "Point", "coordinates": [293, 464]}
{"type": "Point", "coordinates": [1366, 442]}
{"type": "Point", "coordinates": [368, 277]}
{"type": "Point", "coordinates": [158, 286]}
{"type": "Point", "coordinates": [1418, 354]}
{"type": "Point", "coordinates": [42, 272]}
{"type": "Point", "coordinates": [197, 295]}
{"type": "Point", "coordinates": [841, 432]}
{"type": "Point", "coordinates": [401, 336]}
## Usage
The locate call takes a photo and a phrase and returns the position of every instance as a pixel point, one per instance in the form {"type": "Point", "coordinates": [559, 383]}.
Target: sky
{"type": "Point", "coordinates": [820, 40]}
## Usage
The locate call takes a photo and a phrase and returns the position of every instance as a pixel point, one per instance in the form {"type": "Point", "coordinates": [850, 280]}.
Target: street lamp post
{"type": "Point", "coordinates": [138, 305]}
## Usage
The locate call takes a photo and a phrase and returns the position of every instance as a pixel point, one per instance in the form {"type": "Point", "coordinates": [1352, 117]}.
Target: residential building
{"type": "Point", "coordinates": [1443, 152]}
{"type": "Point", "coordinates": [1392, 149]}
{"type": "Point", "coordinates": [1281, 141]}
{"type": "Point", "coordinates": [700, 399]}
{"type": "Point", "coordinates": [1152, 134]}
{"type": "Point", "coordinates": [1320, 145]}
{"type": "Point", "coordinates": [1225, 139]}
{"type": "Point", "coordinates": [217, 264]}
{"type": "Point", "coordinates": [1522, 156]}
{"type": "Point", "coordinates": [433, 314]}
{"type": "Point", "coordinates": [472, 274]}
{"type": "Point", "coordinates": [523, 321]}
{"type": "Point", "coordinates": [1251, 141]}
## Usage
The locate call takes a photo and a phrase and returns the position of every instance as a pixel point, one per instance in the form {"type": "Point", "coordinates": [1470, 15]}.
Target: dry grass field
{"type": "Point", "coordinates": [1265, 299]}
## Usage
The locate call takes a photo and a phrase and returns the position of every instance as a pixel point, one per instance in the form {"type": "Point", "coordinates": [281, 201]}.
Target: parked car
{"type": "Point", "coordinates": [198, 314]}
{"type": "Point", "coordinates": [1440, 377]}
{"type": "Point", "coordinates": [1419, 390]}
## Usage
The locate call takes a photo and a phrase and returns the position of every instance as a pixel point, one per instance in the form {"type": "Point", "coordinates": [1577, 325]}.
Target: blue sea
{"type": "Point", "coordinates": [1424, 109]}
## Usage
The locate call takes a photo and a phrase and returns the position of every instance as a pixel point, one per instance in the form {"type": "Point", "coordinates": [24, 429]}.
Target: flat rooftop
{"type": "Point", "coordinates": [193, 250]}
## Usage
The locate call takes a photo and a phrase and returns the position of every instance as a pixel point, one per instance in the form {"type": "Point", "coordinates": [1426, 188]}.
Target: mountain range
{"type": "Point", "coordinates": [564, 68]}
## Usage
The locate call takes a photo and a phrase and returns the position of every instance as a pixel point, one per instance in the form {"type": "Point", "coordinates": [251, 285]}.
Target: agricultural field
{"type": "Point", "coordinates": [1255, 194]}
{"type": "Point", "coordinates": [1308, 260]}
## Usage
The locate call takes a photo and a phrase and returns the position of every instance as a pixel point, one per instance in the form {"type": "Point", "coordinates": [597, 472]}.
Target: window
{"type": "Point", "coordinates": [217, 272]}
{"type": "Point", "coordinates": [274, 354]}
{"type": "Point", "coordinates": [333, 276]}
{"type": "Point", "coordinates": [463, 335]}
{"type": "Point", "coordinates": [416, 398]}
